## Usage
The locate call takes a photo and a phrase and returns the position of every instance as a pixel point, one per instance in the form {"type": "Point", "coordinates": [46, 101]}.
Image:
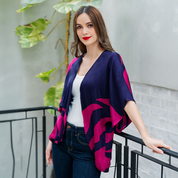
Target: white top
{"type": "Point", "coordinates": [75, 116]}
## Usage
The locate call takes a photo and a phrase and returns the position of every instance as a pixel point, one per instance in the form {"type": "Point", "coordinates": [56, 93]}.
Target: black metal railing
{"type": "Point", "coordinates": [36, 146]}
{"type": "Point", "coordinates": [34, 131]}
{"type": "Point", "coordinates": [130, 165]}
{"type": "Point", "coordinates": [134, 160]}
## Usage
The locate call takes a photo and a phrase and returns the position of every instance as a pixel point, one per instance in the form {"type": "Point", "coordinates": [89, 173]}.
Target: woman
{"type": "Point", "coordinates": [96, 101]}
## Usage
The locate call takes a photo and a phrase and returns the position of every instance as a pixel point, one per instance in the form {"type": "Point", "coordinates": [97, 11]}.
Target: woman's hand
{"type": "Point", "coordinates": [153, 144]}
{"type": "Point", "coordinates": [49, 153]}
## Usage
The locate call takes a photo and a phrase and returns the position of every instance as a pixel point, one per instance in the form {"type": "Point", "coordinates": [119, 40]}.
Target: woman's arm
{"type": "Point", "coordinates": [49, 153]}
{"type": "Point", "coordinates": [133, 113]}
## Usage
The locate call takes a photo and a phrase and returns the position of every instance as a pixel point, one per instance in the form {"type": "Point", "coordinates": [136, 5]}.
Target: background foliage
{"type": "Point", "coordinates": [32, 33]}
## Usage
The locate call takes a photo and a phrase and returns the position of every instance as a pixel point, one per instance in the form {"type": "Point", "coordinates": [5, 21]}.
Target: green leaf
{"type": "Point", "coordinates": [45, 75]}
{"type": "Point", "coordinates": [33, 1]}
{"type": "Point", "coordinates": [53, 95]}
{"type": "Point", "coordinates": [33, 28]}
{"type": "Point", "coordinates": [17, 33]}
{"type": "Point", "coordinates": [28, 42]}
{"type": "Point", "coordinates": [95, 3]}
{"type": "Point", "coordinates": [30, 34]}
{"type": "Point", "coordinates": [24, 7]}
{"type": "Point", "coordinates": [65, 7]}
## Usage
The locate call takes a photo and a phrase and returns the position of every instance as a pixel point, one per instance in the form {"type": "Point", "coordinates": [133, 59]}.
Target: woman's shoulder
{"type": "Point", "coordinates": [71, 63]}
{"type": "Point", "coordinates": [73, 60]}
{"type": "Point", "coordinates": [114, 56]}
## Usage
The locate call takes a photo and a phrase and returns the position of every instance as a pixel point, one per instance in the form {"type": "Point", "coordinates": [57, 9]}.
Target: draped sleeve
{"type": "Point", "coordinates": [61, 105]}
{"type": "Point", "coordinates": [59, 128]}
{"type": "Point", "coordinates": [119, 93]}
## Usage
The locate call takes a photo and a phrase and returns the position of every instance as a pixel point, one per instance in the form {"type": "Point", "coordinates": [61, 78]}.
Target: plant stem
{"type": "Point", "coordinates": [53, 16]}
{"type": "Point", "coordinates": [55, 27]}
{"type": "Point", "coordinates": [61, 42]}
{"type": "Point", "coordinates": [67, 40]}
{"type": "Point", "coordinates": [61, 77]}
{"type": "Point", "coordinates": [57, 69]}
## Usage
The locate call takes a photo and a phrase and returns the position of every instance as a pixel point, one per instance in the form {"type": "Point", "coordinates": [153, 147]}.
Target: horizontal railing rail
{"type": "Point", "coordinates": [27, 109]}
{"type": "Point", "coordinates": [140, 141]}
{"type": "Point", "coordinates": [135, 154]}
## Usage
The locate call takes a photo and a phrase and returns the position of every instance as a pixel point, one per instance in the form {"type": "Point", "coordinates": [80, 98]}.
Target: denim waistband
{"type": "Point", "coordinates": [73, 128]}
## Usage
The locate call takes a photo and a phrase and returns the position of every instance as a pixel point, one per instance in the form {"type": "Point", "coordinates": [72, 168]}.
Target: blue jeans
{"type": "Point", "coordinates": [72, 158]}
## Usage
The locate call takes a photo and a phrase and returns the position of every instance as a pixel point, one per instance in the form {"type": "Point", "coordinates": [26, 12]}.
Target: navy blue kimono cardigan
{"type": "Point", "coordinates": [104, 93]}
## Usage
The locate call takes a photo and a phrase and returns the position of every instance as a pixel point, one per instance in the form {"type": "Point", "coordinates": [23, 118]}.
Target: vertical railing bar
{"type": "Point", "coordinates": [169, 159]}
{"type": "Point", "coordinates": [12, 149]}
{"type": "Point", "coordinates": [30, 149]}
{"type": "Point", "coordinates": [133, 164]}
{"type": "Point", "coordinates": [44, 143]}
{"type": "Point", "coordinates": [25, 114]}
{"type": "Point", "coordinates": [126, 161]}
{"type": "Point", "coordinates": [142, 149]}
{"type": "Point", "coordinates": [36, 139]}
{"type": "Point", "coordinates": [137, 165]}
{"type": "Point", "coordinates": [119, 159]}
{"type": "Point", "coordinates": [55, 117]}
{"type": "Point", "coordinates": [115, 163]}
{"type": "Point", "coordinates": [43, 112]}
{"type": "Point", "coordinates": [126, 142]}
{"type": "Point", "coordinates": [161, 171]}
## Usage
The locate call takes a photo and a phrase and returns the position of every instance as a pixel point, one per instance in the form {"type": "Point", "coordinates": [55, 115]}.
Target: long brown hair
{"type": "Point", "coordinates": [77, 47]}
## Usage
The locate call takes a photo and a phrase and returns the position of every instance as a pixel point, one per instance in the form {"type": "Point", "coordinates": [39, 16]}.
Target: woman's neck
{"type": "Point", "coordinates": [93, 52]}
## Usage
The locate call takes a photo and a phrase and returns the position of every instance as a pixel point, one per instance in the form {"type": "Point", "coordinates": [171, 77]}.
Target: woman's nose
{"type": "Point", "coordinates": [84, 30]}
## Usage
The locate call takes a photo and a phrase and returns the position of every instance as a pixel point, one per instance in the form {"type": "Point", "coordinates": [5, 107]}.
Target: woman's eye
{"type": "Point", "coordinates": [78, 27]}
{"type": "Point", "coordinates": [90, 25]}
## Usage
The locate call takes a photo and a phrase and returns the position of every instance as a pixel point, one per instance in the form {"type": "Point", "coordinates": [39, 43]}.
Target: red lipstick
{"type": "Point", "coordinates": [86, 38]}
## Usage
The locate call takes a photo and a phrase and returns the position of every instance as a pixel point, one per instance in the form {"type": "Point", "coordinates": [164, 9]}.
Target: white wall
{"type": "Point", "coordinates": [18, 86]}
{"type": "Point", "coordinates": [145, 33]}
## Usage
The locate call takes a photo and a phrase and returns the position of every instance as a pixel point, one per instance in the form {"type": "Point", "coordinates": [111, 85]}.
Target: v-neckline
{"type": "Point", "coordinates": [91, 65]}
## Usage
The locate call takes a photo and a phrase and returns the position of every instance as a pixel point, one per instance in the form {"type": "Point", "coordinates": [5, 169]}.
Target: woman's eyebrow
{"type": "Point", "coordinates": [86, 23]}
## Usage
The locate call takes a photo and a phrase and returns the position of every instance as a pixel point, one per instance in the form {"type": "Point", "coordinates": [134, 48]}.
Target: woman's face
{"type": "Point", "coordinates": [85, 30]}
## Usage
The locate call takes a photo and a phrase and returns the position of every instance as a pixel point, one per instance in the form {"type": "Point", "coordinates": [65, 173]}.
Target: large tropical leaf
{"type": "Point", "coordinates": [45, 75]}
{"type": "Point", "coordinates": [65, 7]}
{"type": "Point", "coordinates": [24, 7]}
{"type": "Point", "coordinates": [33, 1]}
{"type": "Point", "coordinates": [53, 95]}
{"type": "Point", "coordinates": [95, 3]}
{"type": "Point", "coordinates": [28, 42]}
{"type": "Point", "coordinates": [33, 28]}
